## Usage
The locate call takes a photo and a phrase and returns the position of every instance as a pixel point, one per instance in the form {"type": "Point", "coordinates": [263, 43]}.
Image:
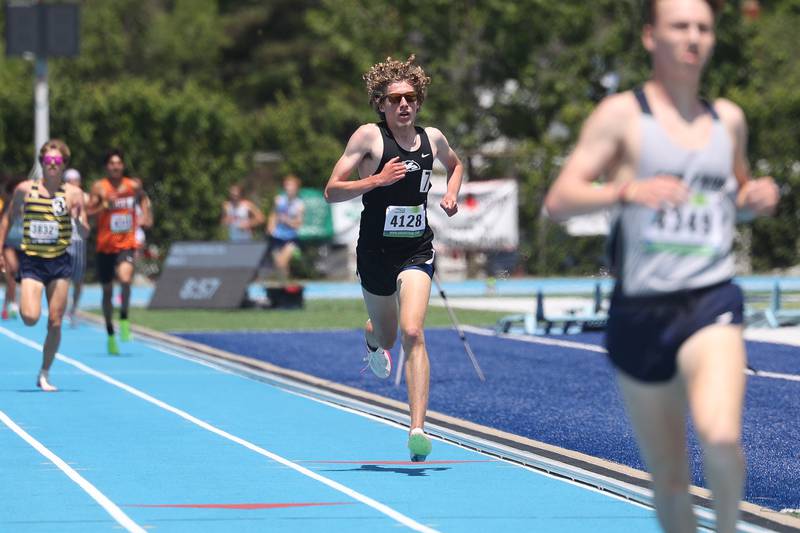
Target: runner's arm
{"type": "Point", "coordinates": [455, 171]}
{"type": "Point", "coordinates": [96, 200]}
{"type": "Point", "coordinates": [147, 212]}
{"type": "Point", "coordinates": [146, 220]}
{"type": "Point", "coordinates": [256, 216]}
{"type": "Point", "coordinates": [17, 198]}
{"type": "Point", "coordinates": [296, 220]}
{"type": "Point", "coordinates": [272, 219]}
{"type": "Point", "coordinates": [79, 210]}
{"type": "Point", "coordinates": [224, 219]}
{"type": "Point", "coordinates": [757, 196]}
{"type": "Point", "coordinates": [340, 188]}
{"type": "Point", "coordinates": [600, 143]}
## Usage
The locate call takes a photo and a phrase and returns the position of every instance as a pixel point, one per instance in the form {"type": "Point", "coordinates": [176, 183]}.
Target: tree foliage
{"type": "Point", "coordinates": [190, 88]}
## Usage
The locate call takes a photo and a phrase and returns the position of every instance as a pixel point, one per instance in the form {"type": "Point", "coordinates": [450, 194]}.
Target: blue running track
{"type": "Point", "coordinates": [151, 441]}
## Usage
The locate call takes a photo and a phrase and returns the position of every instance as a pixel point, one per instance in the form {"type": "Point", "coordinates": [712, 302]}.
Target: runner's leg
{"type": "Point", "coordinates": [125, 271]}
{"type": "Point", "coordinates": [31, 300]}
{"type": "Point", "coordinates": [658, 414]}
{"type": "Point", "coordinates": [12, 267]}
{"type": "Point", "coordinates": [712, 362]}
{"type": "Point", "coordinates": [381, 327]}
{"type": "Point", "coordinates": [282, 260]}
{"type": "Point", "coordinates": [108, 306]}
{"type": "Point", "coordinates": [414, 290]}
{"type": "Point", "coordinates": [57, 293]}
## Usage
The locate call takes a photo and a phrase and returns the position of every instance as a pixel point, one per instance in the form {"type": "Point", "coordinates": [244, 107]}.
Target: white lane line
{"type": "Point", "coordinates": [110, 507]}
{"type": "Point", "coordinates": [366, 500]}
{"type": "Point", "coordinates": [599, 349]}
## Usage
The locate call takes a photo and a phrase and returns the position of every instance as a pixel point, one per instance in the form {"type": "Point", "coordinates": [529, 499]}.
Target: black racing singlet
{"type": "Point", "coordinates": [395, 218]}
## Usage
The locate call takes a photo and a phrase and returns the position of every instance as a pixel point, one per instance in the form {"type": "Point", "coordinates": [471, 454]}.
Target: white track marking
{"type": "Point", "coordinates": [366, 500]}
{"type": "Point", "coordinates": [599, 349]}
{"type": "Point", "coordinates": [109, 506]}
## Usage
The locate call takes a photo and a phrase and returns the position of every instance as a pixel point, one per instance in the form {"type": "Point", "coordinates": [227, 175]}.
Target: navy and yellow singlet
{"type": "Point", "coordinates": [47, 225]}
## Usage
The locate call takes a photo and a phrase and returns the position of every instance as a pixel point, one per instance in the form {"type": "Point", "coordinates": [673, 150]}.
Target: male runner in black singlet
{"type": "Point", "coordinates": [394, 159]}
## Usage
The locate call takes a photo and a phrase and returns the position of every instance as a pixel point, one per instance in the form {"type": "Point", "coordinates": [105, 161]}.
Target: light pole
{"type": "Point", "coordinates": [40, 30]}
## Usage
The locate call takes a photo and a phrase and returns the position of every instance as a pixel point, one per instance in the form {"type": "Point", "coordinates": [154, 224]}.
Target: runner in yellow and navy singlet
{"type": "Point", "coordinates": [46, 224]}
{"type": "Point", "coordinates": [47, 206]}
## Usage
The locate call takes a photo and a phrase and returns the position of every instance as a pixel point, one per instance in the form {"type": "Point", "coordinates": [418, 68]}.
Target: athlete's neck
{"type": "Point", "coordinates": [680, 95]}
{"type": "Point", "coordinates": [406, 136]}
{"type": "Point", "coordinates": [51, 183]}
{"type": "Point", "coordinates": [115, 182]}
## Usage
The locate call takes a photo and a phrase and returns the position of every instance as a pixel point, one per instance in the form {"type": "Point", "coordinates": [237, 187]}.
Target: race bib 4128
{"type": "Point", "coordinates": [404, 221]}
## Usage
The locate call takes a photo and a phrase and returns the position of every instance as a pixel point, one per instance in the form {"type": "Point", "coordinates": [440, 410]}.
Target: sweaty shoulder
{"type": "Point", "coordinates": [617, 110]}
{"type": "Point", "coordinates": [23, 187]}
{"type": "Point", "coordinates": [366, 133]}
{"type": "Point", "coordinates": [434, 134]}
{"type": "Point", "coordinates": [730, 114]}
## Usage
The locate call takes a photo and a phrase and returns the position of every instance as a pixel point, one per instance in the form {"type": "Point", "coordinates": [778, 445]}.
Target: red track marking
{"type": "Point", "coordinates": [245, 506]}
{"type": "Point", "coordinates": [409, 463]}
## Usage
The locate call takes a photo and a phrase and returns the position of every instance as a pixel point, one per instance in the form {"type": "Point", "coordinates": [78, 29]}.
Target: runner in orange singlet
{"type": "Point", "coordinates": [114, 200]}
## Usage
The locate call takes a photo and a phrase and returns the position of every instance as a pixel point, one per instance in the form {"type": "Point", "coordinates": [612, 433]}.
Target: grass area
{"type": "Point", "coordinates": [317, 314]}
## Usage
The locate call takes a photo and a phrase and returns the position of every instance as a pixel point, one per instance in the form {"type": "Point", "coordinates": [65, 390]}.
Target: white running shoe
{"type": "Point", "coordinates": [379, 361]}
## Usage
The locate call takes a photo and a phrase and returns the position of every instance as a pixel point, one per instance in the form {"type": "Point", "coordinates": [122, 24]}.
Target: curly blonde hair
{"type": "Point", "coordinates": [380, 76]}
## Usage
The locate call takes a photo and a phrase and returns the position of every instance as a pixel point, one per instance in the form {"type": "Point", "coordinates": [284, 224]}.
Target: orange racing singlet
{"type": "Point", "coordinates": [116, 224]}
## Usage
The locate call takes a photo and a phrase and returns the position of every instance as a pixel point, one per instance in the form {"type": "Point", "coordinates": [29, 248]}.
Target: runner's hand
{"type": "Point", "coordinates": [394, 170]}
{"type": "Point", "coordinates": [657, 192]}
{"type": "Point", "coordinates": [449, 204]}
{"type": "Point", "coordinates": [759, 196]}
{"type": "Point", "coordinates": [2, 263]}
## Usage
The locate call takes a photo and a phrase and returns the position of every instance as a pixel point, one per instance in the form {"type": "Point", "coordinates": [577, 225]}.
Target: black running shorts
{"type": "Point", "coordinates": [378, 269]}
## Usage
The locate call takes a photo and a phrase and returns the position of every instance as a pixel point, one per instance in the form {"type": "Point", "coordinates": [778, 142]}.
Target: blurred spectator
{"type": "Point", "coordinates": [240, 216]}
{"type": "Point", "coordinates": [283, 225]}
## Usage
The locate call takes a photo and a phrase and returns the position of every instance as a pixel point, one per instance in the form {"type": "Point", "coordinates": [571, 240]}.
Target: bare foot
{"type": "Point", "coordinates": [45, 385]}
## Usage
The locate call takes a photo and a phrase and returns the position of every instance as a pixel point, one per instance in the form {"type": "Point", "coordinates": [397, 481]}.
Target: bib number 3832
{"type": "Point", "coordinates": [44, 231]}
{"type": "Point", "coordinates": [404, 221]}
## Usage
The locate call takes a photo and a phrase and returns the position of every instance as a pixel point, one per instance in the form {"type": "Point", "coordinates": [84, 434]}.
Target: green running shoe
{"type": "Point", "coordinates": [113, 348]}
{"type": "Point", "coordinates": [419, 445]}
{"type": "Point", "coordinates": [125, 330]}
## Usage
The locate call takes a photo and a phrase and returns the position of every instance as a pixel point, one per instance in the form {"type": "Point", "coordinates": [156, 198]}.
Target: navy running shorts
{"type": "Point", "coordinates": [45, 270]}
{"type": "Point", "coordinates": [645, 333]}
{"type": "Point", "coordinates": [378, 269]}
{"type": "Point", "coordinates": [276, 244]}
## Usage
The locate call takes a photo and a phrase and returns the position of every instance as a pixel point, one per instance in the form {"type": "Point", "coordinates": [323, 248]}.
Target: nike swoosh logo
{"type": "Point", "coordinates": [425, 155]}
